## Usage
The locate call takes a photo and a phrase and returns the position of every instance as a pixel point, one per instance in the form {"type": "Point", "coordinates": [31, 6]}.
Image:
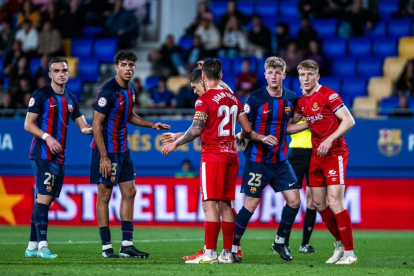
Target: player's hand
{"type": "Point", "coordinates": [200, 64]}
{"type": "Point", "coordinates": [170, 137]}
{"type": "Point", "coordinates": [54, 146]}
{"type": "Point", "coordinates": [270, 140]}
{"type": "Point", "coordinates": [324, 148]}
{"type": "Point", "coordinates": [105, 166]}
{"type": "Point", "coordinates": [158, 126]}
{"type": "Point", "coordinates": [240, 140]}
{"type": "Point", "coordinates": [169, 148]}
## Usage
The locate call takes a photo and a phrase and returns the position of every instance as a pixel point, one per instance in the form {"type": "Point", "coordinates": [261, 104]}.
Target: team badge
{"type": "Point", "coordinates": [253, 190]}
{"type": "Point", "coordinates": [389, 142]}
{"type": "Point", "coordinates": [31, 102]}
{"type": "Point", "coordinates": [70, 107]}
{"type": "Point", "coordinates": [113, 179]}
{"type": "Point", "coordinates": [102, 102]}
{"type": "Point", "coordinates": [315, 106]}
{"type": "Point", "coordinates": [287, 109]}
{"type": "Point", "coordinates": [246, 108]}
{"type": "Point", "coordinates": [49, 189]}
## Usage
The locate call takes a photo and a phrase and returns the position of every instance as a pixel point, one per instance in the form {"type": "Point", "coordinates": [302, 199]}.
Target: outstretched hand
{"type": "Point", "coordinates": [200, 64]}
{"type": "Point", "coordinates": [169, 148]}
{"type": "Point", "coordinates": [159, 126]}
{"type": "Point", "coordinates": [169, 137]}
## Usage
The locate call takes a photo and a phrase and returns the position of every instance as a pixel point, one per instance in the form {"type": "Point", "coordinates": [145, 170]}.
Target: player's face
{"type": "Point", "coordinates": [125, 69]}
{"type": "Point", "coordinates": [308, 78]}
{"type": "Point", "coordinates": [274, 77]}
{"type": "Point", "coordinates": [59, 73]}
{"type": "Point", "coordinates": [198, 87]}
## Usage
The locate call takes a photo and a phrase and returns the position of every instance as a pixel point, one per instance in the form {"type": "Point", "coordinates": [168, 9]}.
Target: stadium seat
{"type": "Point", "coordinates": [218, 8]}
{"type": "Point", "coordinates": [91, 32]}
{"type": "Point", "coordinates": [388, 104]}
{"type": "Point", "coordinates": [287, 82]}
{"type": "Point", "coordinates": [406, 47]}
{"type": "Point", "coordinates": [261, 81]}
{"type": "Point", "coordinates": [411, 103]}
{"type": "Point", "coordinates": [246, 7]}
{"type": "Point", "coordinates": [294, 27]}
{"type": "Point", "coordinates": [82, 48]}
{"type": "Point", "coordinates": [231, 82]}
{"type": "Point", "coordinates": [386, 8]}
{"type": "Point", "coordinates": [347, 101]}
{"type": "Point", "coordinates": [74, 86]}
{"type": "Point", "coordinates": [399, 27]}
{"type": "Point", "coordinates": [380, 30]}
{"type": "Point", "coordinates": [379, 88]}
{"type": "Point", "coordinates": [267, 8]}
{"type": "Point", "coordinates": [288, 10]}
{"type": "Point", "coordinates": [67, 47]}
{"type": "Point", "coordinates": [365, 107]}
{"type": "Point", "coordinates": [354, 87]}
{"type": "Point", "coordinates": [2, 65]}
{"type": "Point", "coordinates": [105, 49]}
{"type": "Point", "coordinates": [344, 67]}
{"type": "Point", "coordinates": [175, 83]}
{"type": "Point", "coordinates": [369, 67]}
{"type": "Point", "coordinates": [270, 22]}
{"type": "Point", "coordinates": [393, 67]}
{"type": "Point", "coordinates": [73, 66]}
{"type": "Point", "coordinates": [384, 47]}
{"type": "Point", "coordinates": [295, 85]}
{"type": "Point", "coordinates": [89, 70]}
{"type": "Point", "coordinates": [335, 47]}
{"type": "Point", "coordinates": [6, 82]}
{"type": "Point", "coordinates": [326, 28]}
{"type": "Point", "coordinates": [237, 64]}
{"type": "Point", "coordinates": [185, 42]}
{"type": "Point", "coordinates": [332, 82]}
{"type": "Point", "coordinates": [227, 64]}
{"type": "Point", "coordinates": [34, 65]}
{"type": "Point", "coordinates": [151, 82]}
{"type": "Point", "coordinates": [359, 47]}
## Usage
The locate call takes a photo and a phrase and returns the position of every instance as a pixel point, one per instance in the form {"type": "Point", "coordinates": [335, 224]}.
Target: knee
{"type": "Point", "coordinates": [318, 205]}
{"type": "Point", "coordinates": [309, 203]}
{"type": "Point", "coordinates": [294, 203]}
{"type": "Point", "coordinates": [251, 206]}
{"type": "Point", "coordinates": [131, 193]}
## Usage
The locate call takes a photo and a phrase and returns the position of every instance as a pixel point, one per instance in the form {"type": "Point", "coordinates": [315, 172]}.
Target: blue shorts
{"type": "Point", "coordinates": [49, 177]}
{"type": "Point", "coordinates": [123, 168]}
{"type": "Point", "coordinates": [256, 176]}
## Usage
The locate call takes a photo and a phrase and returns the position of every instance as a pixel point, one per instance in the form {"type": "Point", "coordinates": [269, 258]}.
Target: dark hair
{"type": "Point", "coordinates": [195, 76]}
{"type": "Point", "coordinates": [212, 69]}
{"type": "Point", "coordinates": [125, 55]}
{"type": "Point", "coordinates": [57, 60]}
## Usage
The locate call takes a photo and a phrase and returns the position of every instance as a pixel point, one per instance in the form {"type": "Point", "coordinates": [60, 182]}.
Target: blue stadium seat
{"type": "Point", "coordinates": [231, 82]}
{"type": "Point", "coordinates": [227, 64]}
{"type": "Point", "coordinates": [237, 64]}
{"type": "Point", "coordinates": [89, 70]}
{"type": "Point", "coordinates": [411, 103]}
{"type": "Point", "coordinates": [267, 8]}
{"type": "Point", "coordinates": [91, 32]}
{"type": "Point", "coordinates": [246, 7]}
{"type": "Point", "coordinates": [261, 81]}
{"type": "Point", "coordinates": [369, 67]}
{"type": "Point", "coordinates": [385, 47]}
{"type": "Point", "coordinates": [295, 85]}
{"type": "Point", "coordinates": [185, 42]}
{"type": "Point", "coordinates": [151, 82]}
{"type": "Point", "coordinates": [359, 47]}
{"type": "Point", "coordinates": [326, 28]}
{"type": "Point", "coordinates": [34, 65]}
{"type": "Point", "coordinates": [332, 82]}
{"type": "Point", "coordinates": [82, 48]}
{"type": "Point", "coordinates": [105, 49]}
{"type": "Point", "coordinates": [354, 87]}
{"type": "Point", "coordinates": [334, 47]}
{"type": "Point", "coordinates": [347, 101]}
{"type": "Point", "coordinates": [387, 7]}
{"type": "Point", "coordinates": [6, 81]}
{"type": "Point", "coordinates": [218, 8]}
{"type": "Point", "coordinates": [380, 30]}
{"type": "Point", "coordinates": [388, 104]}
{"type": "Point", "coordinates": [269, 21]}
{"type": "Point", "coordinates": [287, 82]}
{"type": "Point", "coordinates": [399, 27]}
{"type": "Point", "coordinates": [75, 86]}
{"type": "Point", "coordinates": [288, 10]}
{"type": "Point", "coordinates": [294, 27]}
{"type": "Point", "coordinates": [344, 67]}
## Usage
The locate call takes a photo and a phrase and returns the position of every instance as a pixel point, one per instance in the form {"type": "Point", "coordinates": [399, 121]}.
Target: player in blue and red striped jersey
{"type": "Point", "coordinates": [48, 114]}
{"type": "Point", "coordinates": [111, 159]}
{"type": "Point", "coordinates": [270, 111]}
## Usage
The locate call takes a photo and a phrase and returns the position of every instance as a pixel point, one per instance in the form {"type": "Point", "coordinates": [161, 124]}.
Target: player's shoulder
{"type": "Point", "coordinates": [325, 90]}
{"type": "Point", "coordinates": [44, 92]}
{"type": "Point", "coordinates": [289, 94]}
{"type": "Point", "coordinates": [259, 94]}
{"type": "Point", "coordinates": [107, 88]}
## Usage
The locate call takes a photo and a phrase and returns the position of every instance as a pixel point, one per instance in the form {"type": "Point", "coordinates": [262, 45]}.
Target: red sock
{"type": "Point", "coordinates": [235, 215]}
{"type": "Point", "coordinates": [343, 219]}
{"type": "Point", "coordinates": [328, 217]}
{"type": "Point", "coordinates": [212, 230]}
{"type": "Point", "coordinates": [228, 233]}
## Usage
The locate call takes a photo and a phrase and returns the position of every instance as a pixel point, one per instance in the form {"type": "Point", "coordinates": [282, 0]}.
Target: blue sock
{"type": "Point", "coordinates": [33, 233]}
{"type": "Point", "coordinates": [242, 220]}
{"type": "Point", "coordinates": [127, 230]}
{"type": "Point", "coordinates": [41, 221]}
{"type": "Point", "coordinates": [105, 234]}
{"type": "Point", "coordinates": [288, 217]}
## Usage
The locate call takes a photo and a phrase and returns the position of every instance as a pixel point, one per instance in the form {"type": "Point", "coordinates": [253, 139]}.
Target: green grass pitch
{"type": "Point", "coordinates": [79, 253]}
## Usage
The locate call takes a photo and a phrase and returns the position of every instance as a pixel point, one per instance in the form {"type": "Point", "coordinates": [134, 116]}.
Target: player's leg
{"type": "Point", "coordinates": [308, 223]}
{"type": "Point", "coordinates": [240, 251]}
{"type": "Point", "coordinates": [228, 226]}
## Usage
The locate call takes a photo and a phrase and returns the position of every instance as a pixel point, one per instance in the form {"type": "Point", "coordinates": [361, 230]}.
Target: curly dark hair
{"type": "Point", "coordinates": [125, 55]}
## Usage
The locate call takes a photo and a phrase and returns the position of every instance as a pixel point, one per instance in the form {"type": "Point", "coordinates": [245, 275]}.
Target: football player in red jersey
{"type": "Point", "coordinates": [217, 111]}
{"type": "Point", "coordinates": [328, 120]}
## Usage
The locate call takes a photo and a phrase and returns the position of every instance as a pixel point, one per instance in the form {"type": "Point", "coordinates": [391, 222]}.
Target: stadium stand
{"type": "Point", "coordinates": [406, 47]}
{"type": "Point", "coordinates": [393, 67]}
{"type": "Point", "coordinates": [365, 107]}
{"type": "Point", "coordinates": [379, 88]}
{"type": "Point", "coordinates": [176, 82]}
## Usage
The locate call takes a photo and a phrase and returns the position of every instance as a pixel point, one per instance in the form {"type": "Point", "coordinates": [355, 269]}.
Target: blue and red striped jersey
{"type": "Point", "coordinates": [116, 103]}
{"type": "Point", "coordinates": [54, 111]}
{"type": "Point", "coordinates": [269, 116]}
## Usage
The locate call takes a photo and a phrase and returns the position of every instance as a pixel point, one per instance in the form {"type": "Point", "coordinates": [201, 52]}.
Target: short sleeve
{"type": "Point", "coordinates": [333, 101]}
{"type": "Point", "coordinates": [104, 101]}
{"type": "Point", "coordinates": [201, 107]}
{"type": "Point", "coordinates": [250, 109]}
{"type": "Point", "coordinates": [35, 103]}
{"type": "Point", "coordinates": [76, 110]}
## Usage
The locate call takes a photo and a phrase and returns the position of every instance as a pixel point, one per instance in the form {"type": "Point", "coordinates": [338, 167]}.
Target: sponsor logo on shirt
{"type": "Point", "coordinates": [198, 102]}
{"type": "Point", "coordinates": [333, 97]}
{"type": "Point", "coordinates": [312, 119]}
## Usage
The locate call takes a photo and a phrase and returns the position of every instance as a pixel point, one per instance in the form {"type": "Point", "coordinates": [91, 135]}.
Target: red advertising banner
{"type": "Point", "coordinates": [168, 201]}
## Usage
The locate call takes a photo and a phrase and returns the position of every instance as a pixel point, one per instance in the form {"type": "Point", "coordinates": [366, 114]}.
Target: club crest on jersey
{"type": "Point", "coordinates": [113, 179]}
{"type": "Point", "coordinates": [70, 107]}
{"type": "Point", "coordinates": [246, 108]}
{"type": "Point", "coordinates": [287, 109]}
{"type": "Point", "coordinates": [389, 142]}
{"type": "Point", "coordinates": [253, 190]}
{"type": "Point", "coordinates": [31, 102]}
{"type": "Point", "coordinates": [49, 189]}
{"type": "Point", "coordinates": [315, 106]}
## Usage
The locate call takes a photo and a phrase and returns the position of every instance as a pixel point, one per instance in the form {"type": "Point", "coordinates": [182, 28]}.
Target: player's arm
{"type": "Point", "coordinates": [83, 126]}
{"type": "Point", "coordinates": [293, 128]}
{"type": "Point", "coordinates": [225, 86]}
{"type": "Point", "coordinates": [33, 129]}
{"type": "Point", "coordinates": [104, 163]}
{"type": "Point", "coordinates": [139, 121]}
{"type": "Point", "coordinates": [260, 138]}
{"type": "Point", "coordinates": [347, 123]}
{"type": "Point", "coordinates": [296, 118]}
{"type": "Point", "coordinates": [170, 137]}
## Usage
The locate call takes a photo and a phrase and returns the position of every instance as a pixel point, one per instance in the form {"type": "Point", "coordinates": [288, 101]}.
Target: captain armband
{"type": "Point", "coordinates": [200, 116]}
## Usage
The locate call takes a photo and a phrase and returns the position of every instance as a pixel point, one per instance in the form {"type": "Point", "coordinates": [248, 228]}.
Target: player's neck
{"type": "Point", "coordinates": [211, 84]}
{"type": "Point", "coordinates": [275, 92]}
{"type": "Point", "coordinates": [121, 82]}
{"type": "Point", "coordinates": [316, 88]}
{"type": "Point", "coordinates": [58, 89]}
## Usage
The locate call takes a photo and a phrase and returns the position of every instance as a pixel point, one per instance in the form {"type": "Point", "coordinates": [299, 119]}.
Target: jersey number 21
{"type": "Point", "coordinates": [229, 114]}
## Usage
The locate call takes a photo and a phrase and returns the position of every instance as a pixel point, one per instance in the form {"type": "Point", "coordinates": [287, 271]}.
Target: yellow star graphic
{"type": "Point", "coordinates": [6, 204]}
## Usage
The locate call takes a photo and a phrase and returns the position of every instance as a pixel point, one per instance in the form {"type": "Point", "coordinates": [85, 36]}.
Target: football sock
{"type": "Point", "coordinates": [328, 217]}
{"type": "Point", "coordinates": [235, 214]}
{"type": "Point", "coordinates": [33, 233]}
{"type": "Point", "coordinates": [127, 231]}
{"type": "Point", "coordinates": [212, 230]}
{"type": "Point", "coordinates": [287, 238]}
{"type": "Point", "coordinates": [228, 233]}
{"type": "Point", "coordinates": [308, 224]}
{"type": "Point", "coordinates": [105, 234]}
{"type": "Point", "coordinates": [41, 221]}
{"type": "Point", "coordinates": [242, 220]}
{"type": "Point", "coordinates": [345, 229]}
{"type": "Point", "coordinates": [288, 217]}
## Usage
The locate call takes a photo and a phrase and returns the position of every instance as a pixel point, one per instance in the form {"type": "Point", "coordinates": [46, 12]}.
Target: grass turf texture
{"type": "Point", "coordinates": [79, 253]}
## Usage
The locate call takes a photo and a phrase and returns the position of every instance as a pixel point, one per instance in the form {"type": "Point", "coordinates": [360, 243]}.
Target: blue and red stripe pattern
{"type": "Point", "coordinates": [116, 103]}
{"type": "Point", "coordinates": [54, 112]}
{"type": "Point", "coordinates": [269, 116]}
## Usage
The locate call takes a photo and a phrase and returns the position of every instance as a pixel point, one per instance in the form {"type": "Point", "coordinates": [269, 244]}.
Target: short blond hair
{"type": "Point", "coordinates": [275, 62]}
{"type": "Point", "coordinates": [309, 64]}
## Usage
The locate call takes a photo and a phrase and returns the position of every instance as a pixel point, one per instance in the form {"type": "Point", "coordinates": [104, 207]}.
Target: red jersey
{"type": "Point", "coordinates": [217, 140]}
{"type": "Point", "coordinates": [319, 110]}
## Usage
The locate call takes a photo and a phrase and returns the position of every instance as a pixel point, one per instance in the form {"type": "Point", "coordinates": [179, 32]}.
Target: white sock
{"type": "Point", "coordinates": [226, 252]}
{"type": "Point", "coordinates": [339, 244]}
{"type": "Point", "coordinates": [204, 248]}
{"type": "Point", "coordinates": [279, 239]}
{"type": "Point", "coordinates": [127, 243]}
{"type": "Point", "coordinates": [349, 253]}
{"type": "Point", "coordinates": [33, 245]}
{"type": "Point", "coordinates": [211, 252]}
{"type": "Point", "coordinates": [234, 248]}
{"type": "Point", "coordinates": [106, 246]}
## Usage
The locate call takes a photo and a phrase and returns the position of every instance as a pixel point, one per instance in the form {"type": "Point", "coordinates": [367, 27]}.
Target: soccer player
{"type": "Point", "coordinates": [328, 120]}
{"type": "Point", "coordinates": [47, 119]}
{"type": "Point", "coordinates": [270, 111]}
{"type": "Point", "coordinates": [217, 111]}
{"type": "Point", "coordinates": [111, 159]}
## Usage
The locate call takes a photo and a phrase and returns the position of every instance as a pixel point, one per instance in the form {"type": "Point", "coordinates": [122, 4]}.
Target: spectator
{"type": "Point", "coordinates": [29, 38]}
{"type": "Point", "coordinates": [233, 11]}
{"type": "Point", "coordinates": [186, 170]}
{"type": "Point", "coordinates": [292, 56]}
{"type": "Point", "coordinates": [335, 8]}
{"type": "Point", "coordinates": [50, 14]}
{"type": "Point", "coordinates": [314, 53]}
{"type": "Point", "coordinates": [122, 23]}
{"type": "Point", "coordinates": [72, 21]}
{"type": "Point", "coordinates": [96, 12]}
{"type": "Point", "coordinates": [260, 38]}
{"type": "Point", "coordinates": [406, 8]}
{"type": "Point", "coordinates": [17, 72]}
{"type": "Point", "coordinates": [202, 8]}
{"type": "Point", "coordinates": [246, 81]}
{"type": "Point", "coordinates": [195, 53]}
{"type": "Point", "coordinates": [12, 57]}
{"type": "Point", "coordinates": [42, 71]}
{"type": "Point", "coordinates": [142, 97]}
{"type": "Point", "coordinates": [7, 102]}
{"type": "Point", "coordinates": [20, 95]}
{"type": "Point", "coordinates": [50, 41]}
{"type": "Point", "coordinates": [405, 83]}
{"type": "Point", "coordinates": [29, 13]}
{"type": "Point", "coordinates": [402, 110]}
{"type": "Point", "coordinates": [234, 42]}
{"type": "Point", "coordinates": [311, 8]}
{"type": "Point", "coordinates": [186, 97]}
{"type": "Point", "coordinates": [306, 34]}
{"type": "Point", "coordinates": [359, 18]}
{"type": "Point", "coordinates": [171, 56]}
{"type": "Point", "coordinates": [42, 82]}
{"type": "Point", "coordinates": [209, 34]}
{"type": "Point", "coordinates": [282, 38]}
{"type": "Point", "coordinates": [6, 38]}
{"type": "Point", "coordinates": [162, 97]}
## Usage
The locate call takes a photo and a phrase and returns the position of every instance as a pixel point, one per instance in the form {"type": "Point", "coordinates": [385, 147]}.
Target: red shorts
{"type": "Point", "coordinates": [327, 171]}
{"type": "Point", "coordinates": [218, 180]}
